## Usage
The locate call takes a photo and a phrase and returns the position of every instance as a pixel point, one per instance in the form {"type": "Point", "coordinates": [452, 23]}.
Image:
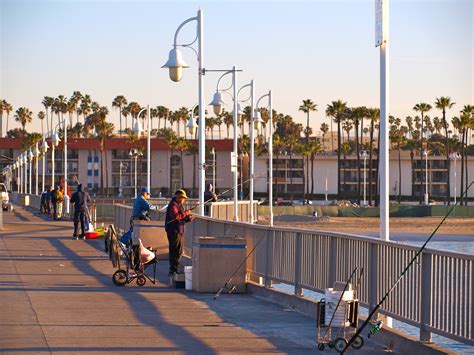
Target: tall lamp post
{"type": "Point", "coordinates": [217, 104]}
{"type": "Point", "coordinates": [213, 153]}
{"type": "Point", "coordinates": [363, 154]}
{"type": "Point", "coordinates": [54, 143]}
{"type": "Point", "coordinates": [175, 64]}
{"type": "Point", "coordinates": [382, 41]}
{"type": "Point", "coordinates": [455, 156]}
{"type": "Point", "coordinates": [270, 147]}
{"type": "Point", "coordinates": [18, 172]}
{"type": "Point", "coordinates": [30, 158]}
{"type": "Point", "coordinates": [25, 164]}
{"type": "Point", "coordinates": [425, 153]}
{"type": "Point", "coordinates": [36, 154]}
{"type": "Point", "coordinates": [44, 150]}
{"type": "Point", "coordinates": [138, 129]}
{"type": "Point", "coordinates": [135, 153]}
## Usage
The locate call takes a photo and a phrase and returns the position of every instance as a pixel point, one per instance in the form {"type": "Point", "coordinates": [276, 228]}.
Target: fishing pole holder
{"type": "Point", "coordinates": [337, 322]}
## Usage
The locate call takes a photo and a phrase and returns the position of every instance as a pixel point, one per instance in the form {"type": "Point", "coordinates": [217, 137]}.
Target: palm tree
{"type": "Point", "coordinates": [442, 103]}
{"type": "Point", "coordinates": [70, 108]}
{"type": "Point", "coordinates": [228, 121]}
{"type": "Point", "coordinates": [397, 137]}
{"type": "Point", "coordinates": [181, 144]}
{"type": "Point", "coordinates": [163, 113]}
{"type": "Point", "coordinates": [24, 116]}
{"type": "Point", "coordinates": [336, 110]}
{"type": "Point", "coordinates": [119, 101]}
{"type": "Point", "coordinates": [48, 104]}
{"type": "Point", "coordinates": [307, 107]}
{"type": "Point", "coordinates": [41, 117]}
{"type": "Point", "coordinates": [104, 130]}
{"type": "Point", "coordinates": [76, 97]}
{"type": "Point", "coordinates": [313, 148]}
{"type": "Point", "coordinates": [60, 104]}
{"type": "Point", "coordinates": [1, 117]}
{"type": "Point", "coordinates": [278, 146]}
{"type": "Point", "coordinates": [291, 142]}
{"type": "Point", "coordinates": [85, 107]}
{"type": "Point", "coordinates": [346, 149]}
{"type": "Point", "coordinates": [422, 107]}
{"type": "Point", "coordinates": [373, 115]}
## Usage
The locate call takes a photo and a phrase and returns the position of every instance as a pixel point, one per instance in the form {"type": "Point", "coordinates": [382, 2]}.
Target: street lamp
{"type": "Point", "coordinates": [455, 156]}
{"type": "Point", "coordinates": [36, 154]}
{"type": "Point", "coordinates": [175, 64]}
{"type": "Point", "coordinates": [54, 143]}
{"type": "Point", "coordinates": [125, 167]}
{"type": "Point", "coordinates": [44, 150]}
{"type": "Point", "coordinates": [30, 158]}
{"type": "Point", "coordinates": [270, 149]}
{"type": "Point", "coordinates": [137, 128]}
{"type": "Point", "coordinates": [425, 153]}
{"type": "Point", "coordinates": [25, 164]}
{"type": "Point", "coordinates": [363, 154]}
{"type": "Point", "coordinates": [135, 153]}
{"type": "Point", "coordinates": [213, 152]}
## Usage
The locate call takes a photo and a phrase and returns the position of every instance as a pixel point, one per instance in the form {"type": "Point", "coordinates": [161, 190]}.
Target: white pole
{"type": "Point", "coordinates": [136, 156]}
{"type": "Point", "coordinates": [52, 166]}
{"type": "Point", "coordinates": [66, 198]}
{"type": "Point", "coordinates": [36, 166]}
{"type": "Point", "coordinates": [384, 112]}
{"type": "Point", "coordinates": [426, 178]}
{"type": "Point", "coordinates": [326, 187]}
{"type": "Point", "coordinates": [214, 168]}
{"type": "Point", "coordinates": [25, 163]}
{"type": "Point", "coordinates": [235, 123]}
{"type": "Point", "coordinates": [455, 180]}
{"type": "Point", "coordinates": [44, 168]}
{"type": "Point", "coordinates": [148, 157]}
{"type": "Point", "coordinates": [31, 173]}
{"type": "Point", "coordinates": [202, 120]}
{"type": "Point", "coordinates": [365, 180]}
{"type": "Point", "coordinates": [120, 180]}
{"type": "Point", "coordinates": [252, 148]}
{"type": "Point", "coordinates": [18, 179]}
{"type": "Point", "coordinates": [270, 163]}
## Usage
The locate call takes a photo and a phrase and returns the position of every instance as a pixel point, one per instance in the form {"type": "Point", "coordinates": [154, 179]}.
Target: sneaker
{"type": "Point", "coordinates": [83, 237]}
{"type": "Point", "coordinates": [74, 237]}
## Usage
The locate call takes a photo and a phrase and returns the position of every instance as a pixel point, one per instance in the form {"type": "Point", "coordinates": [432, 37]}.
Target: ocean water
{"type": "Point", "coordinates": [457, 246]}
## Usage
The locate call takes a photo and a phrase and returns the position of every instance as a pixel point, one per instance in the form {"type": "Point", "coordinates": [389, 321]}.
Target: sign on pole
{"type": "Point", "coordinates": [379, 35]}
{"type": "Point", "coordinates": [233, 162]}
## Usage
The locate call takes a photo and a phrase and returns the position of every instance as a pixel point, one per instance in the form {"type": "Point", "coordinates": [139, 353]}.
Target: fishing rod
{"type": "Point", "coordinates": [413, 260]}
{"type": "Point", "coordinates": [212, 198]}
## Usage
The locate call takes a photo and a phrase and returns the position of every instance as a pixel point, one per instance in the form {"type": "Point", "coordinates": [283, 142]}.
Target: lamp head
{"type": "Point", "coordinates": [217, 103]}
{"type": "Point", "coordinates": [44, 146]}
{"type": "Point", "coordinates": [137, 127]}
{"type": "Point", "coordinates": [257, 119]}
{"type": "Point", "coordinates": [192, 126]}
{"type": "Point", "coordinates": [55, 139]}
{"type": "Point", "coordinates": [175, 64]}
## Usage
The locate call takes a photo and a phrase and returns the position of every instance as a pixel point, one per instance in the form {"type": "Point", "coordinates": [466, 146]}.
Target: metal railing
{"type": "Point", "coordinates": [435, 295]}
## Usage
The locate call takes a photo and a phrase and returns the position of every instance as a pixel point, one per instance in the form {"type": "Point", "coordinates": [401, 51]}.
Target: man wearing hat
{"type": "Point", "coordinates": [80, 199]}
{"type": "Point", "coordinates": [141, 206]}
{"type": "Point", "coordinates": [176, 218]}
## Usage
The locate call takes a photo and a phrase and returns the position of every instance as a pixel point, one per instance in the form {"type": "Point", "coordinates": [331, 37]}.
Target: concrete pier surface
{"type": "Point", "coordinates": [57, 295]}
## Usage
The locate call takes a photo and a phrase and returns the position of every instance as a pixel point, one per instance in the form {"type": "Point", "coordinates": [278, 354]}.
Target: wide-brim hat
{"type": "Point", "coordinates": [180, 193]}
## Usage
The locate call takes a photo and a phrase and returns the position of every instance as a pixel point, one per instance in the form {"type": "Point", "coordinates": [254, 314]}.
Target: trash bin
{"type": "Point", "coordinates": [188, 277]}
{"type": "Point", "coordinates": [215, 259]}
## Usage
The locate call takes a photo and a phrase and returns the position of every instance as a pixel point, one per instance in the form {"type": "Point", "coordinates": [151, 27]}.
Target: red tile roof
{"type": "Point", "coordinates": [119, 143]}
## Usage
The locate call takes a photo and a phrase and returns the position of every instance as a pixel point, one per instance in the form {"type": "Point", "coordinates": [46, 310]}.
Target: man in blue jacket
{"type": "Point", "coordinates": [81, 199]}
{"type": "Point", "coordinates": [141, 207]}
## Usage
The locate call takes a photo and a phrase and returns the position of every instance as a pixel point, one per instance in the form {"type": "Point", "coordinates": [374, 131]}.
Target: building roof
{"type": "Point", "coordinates": [119, 143]}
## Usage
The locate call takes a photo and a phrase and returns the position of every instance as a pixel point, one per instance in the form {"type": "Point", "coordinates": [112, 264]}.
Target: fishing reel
{"type": "Point", "coordinates": [229, 287]}
{"type": "Point", "coordinates": [375, 328]}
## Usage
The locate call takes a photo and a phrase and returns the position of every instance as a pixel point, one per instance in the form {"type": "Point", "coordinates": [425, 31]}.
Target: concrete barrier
{"type": "Point", "coordinates": [153, 235]}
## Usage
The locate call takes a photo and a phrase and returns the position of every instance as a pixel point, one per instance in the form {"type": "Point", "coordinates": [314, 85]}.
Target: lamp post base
{"type": "Point", "coordinates": [427, 200]}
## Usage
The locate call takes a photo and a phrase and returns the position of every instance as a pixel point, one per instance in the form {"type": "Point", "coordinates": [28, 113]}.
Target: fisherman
{"type": "Point", "coordinates": [81, 199]}
{"type": "Point", "coordinates": [141, 206]}
{"type": "Point", "coordinates": [209, 196]}
{"type": "Point", "coordinates": [176, 218]}
{"type": "Point", "coordinates": [45, 207]}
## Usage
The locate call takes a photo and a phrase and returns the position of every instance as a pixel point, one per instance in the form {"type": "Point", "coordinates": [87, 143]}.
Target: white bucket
{"type": "Point", "coordinates": [188, 277]}
{"type": "Point", "coordinates": [332, 297]}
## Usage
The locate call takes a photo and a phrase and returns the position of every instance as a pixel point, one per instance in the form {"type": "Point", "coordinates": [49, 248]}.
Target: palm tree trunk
{"type": "Point", "coordinates": [6, 128]}
{"type": "Point", "coordinates": [304, 179]}
{"type": "Point", "coordinates": [344, 176]}
{"type": "Point", "coordinates": [42, 129]}
{"type": "Point", "coordinates": [371, 148]}
{"type": "Point", "coordinates": [332, 140]}
{"type": "Point", "coordinates": [120, 117]}
{"type": "Point", "coordinates": [102, 159]}
{"type": "Point", "coordinates": [312, 174]}
{"type": "Point", "coordinates": [228, 132]}
{"type": "Point", "coordinates": [106, 170]}
{"type": "Point", "coordinates": [182, 168]}
{"type": "Point", "coordinates": [276, 179]}
{"type": "Point", "coordinates": [448, 164]}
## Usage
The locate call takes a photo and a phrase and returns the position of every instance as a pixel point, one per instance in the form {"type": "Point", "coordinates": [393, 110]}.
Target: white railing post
{"type": "Point", "coordinates": [269, 256]}
{"type": "Point", "coordinates": [298, 288]}
{"type": "Point", "coordinates": [425, 297]}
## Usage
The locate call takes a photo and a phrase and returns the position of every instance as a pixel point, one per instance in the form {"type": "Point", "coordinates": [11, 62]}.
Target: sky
{"type": "Point", "coordinates": [318, 50]}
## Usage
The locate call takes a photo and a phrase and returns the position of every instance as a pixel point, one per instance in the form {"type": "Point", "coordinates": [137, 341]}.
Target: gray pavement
{"type": "Point", "coordinates": [57, 296]}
